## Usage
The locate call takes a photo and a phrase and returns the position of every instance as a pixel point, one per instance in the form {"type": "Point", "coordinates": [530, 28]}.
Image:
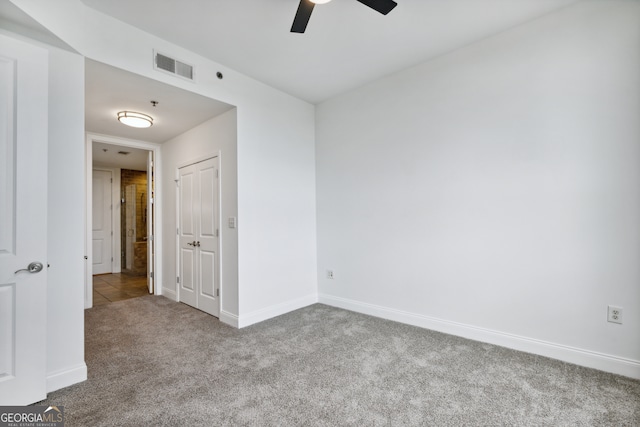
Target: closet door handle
{"type": "Point", "coordinates": [197, 244]}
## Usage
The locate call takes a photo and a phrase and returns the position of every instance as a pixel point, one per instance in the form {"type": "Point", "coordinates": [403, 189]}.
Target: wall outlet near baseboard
{"type": "Point", "coordinates": [614, 314]}
{"type": "Point", "coordinates": [330, 274]}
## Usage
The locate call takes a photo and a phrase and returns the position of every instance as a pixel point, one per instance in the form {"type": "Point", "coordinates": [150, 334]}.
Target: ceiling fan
{"type": "Point", "coordinates": [306, 7]}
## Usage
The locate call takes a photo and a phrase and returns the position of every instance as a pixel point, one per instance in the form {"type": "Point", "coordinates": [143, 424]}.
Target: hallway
{"type": "Point", "coordinates": [109, 288]}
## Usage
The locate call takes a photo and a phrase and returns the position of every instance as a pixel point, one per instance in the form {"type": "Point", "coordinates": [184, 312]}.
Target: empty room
{"type": "Point", "coordinates": [354, 212]}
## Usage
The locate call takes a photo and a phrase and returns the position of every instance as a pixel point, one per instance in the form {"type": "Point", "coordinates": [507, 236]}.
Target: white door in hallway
{"type": "Point", "coordinates": [198, 241]}
{"type": "Point", "coordinates": [101, 214]}
{"type": "Point", "coordinates": [23, 221]}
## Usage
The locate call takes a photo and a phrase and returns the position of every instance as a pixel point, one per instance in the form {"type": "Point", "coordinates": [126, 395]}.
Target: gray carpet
{"type": "Point", "coordinates": [154, 362]}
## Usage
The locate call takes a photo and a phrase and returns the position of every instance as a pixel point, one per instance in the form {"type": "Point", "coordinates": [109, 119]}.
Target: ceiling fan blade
{"type": "Point", "coordinates": [382, 6]}
{"type": "Point", "coordinates": [302, 16]}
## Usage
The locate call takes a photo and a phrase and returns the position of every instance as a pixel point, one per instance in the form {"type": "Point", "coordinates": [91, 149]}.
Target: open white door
{"type": "Point", "coordinates": [187, 234]}
{"type": "Point", "coordinates": [23, 221]}
{"type": "Point", "coordinates": [150, 214]}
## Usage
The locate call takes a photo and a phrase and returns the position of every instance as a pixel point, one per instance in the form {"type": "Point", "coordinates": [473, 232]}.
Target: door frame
{"type": "Point", "coordinates": [157, 232]}
{"type": "Point", "coordinates": [177, 207]}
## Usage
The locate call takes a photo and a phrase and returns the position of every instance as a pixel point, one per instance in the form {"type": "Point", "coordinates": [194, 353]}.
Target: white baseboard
{"type": "Point", "coordinates": [168, 293]}
{"type": "Point", "coordinates": [228, 318]}
{"type": "Point", "coordinates": [66, 377]}
{"type": "Point", "coordinates": [587, 358]}
{"type": "Point", "coordinates": [276, 310]}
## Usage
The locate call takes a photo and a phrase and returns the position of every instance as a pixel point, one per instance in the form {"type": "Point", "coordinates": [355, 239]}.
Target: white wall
{"type": "Point", "coordinates": [494, 192]}
{"type": "Point", "coordinates": [276, 168]}
{"type": "Point", "coordinates": [276, 211]}
{"type": "Point", "coordinates": [65, 186]}
{"type": "Point", "coordinates": [215, 137]}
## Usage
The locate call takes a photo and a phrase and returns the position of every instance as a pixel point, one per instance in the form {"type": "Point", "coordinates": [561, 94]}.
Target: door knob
{"type": "Point", "coordinates": [197, 244]}
{"type": "Point", "coordinates": [194, 243]}
{"type": "Point", "coordinates": [34, 267]}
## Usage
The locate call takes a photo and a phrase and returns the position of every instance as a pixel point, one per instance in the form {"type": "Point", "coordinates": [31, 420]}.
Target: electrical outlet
{"type": "Point", "coordinates": [329, 274]}
{"type": "Point", "coordinates": [614, 314]}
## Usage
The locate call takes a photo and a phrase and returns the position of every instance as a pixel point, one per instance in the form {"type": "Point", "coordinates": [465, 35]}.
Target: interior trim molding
{"type": "Point", "coordinates": [168, 293]}
{"type": "Point", "coordinates": [577, 356]}
{"type": "Point", "coordinates": [229, 318]}
{"type": "Point", "coordinates": [66, 377]}
{"type": "Point", "coordinates": [276, 310]}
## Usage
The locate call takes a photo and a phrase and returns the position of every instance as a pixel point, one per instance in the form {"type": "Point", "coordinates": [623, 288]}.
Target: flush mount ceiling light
{"type": "Point", "coordinates": [136, 120]}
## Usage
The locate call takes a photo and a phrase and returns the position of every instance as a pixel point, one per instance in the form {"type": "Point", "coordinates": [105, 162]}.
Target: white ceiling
{"type": "Point", "coordinates": [346, 43]}
{"type": "Point", "coordinates": [114, 156]}
{"type": "Point", "coordinates": [109, 90]}
{"type": "Point", "coordinates": [14, 19]}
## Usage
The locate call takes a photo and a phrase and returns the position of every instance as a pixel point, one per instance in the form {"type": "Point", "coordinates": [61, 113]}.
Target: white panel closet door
{"type": "Point", "coordinates": [23, 221]}
{"type": "Point", "coordinates": [101, 214]}
{"type": "Point", "coordinates": [207, 241]}
{"type": "Point", "coordinates": [199, 257]}
{"type": "Point", "coordinates": [187, 237]}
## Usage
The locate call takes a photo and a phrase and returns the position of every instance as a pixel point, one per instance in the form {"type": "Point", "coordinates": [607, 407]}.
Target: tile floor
{"type": "Point", "coordinates": [117, 287]}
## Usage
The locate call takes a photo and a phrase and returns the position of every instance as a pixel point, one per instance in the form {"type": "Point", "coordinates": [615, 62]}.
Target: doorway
{"type": "Point", "coordinates": [134, 218]}
{"type": "Point", "coordinates": [108, 288]}
{"type": "Point", "coordinates": [124, 186]}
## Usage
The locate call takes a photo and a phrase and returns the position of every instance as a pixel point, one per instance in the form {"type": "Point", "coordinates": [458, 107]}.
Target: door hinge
{"type": "Point", "coordinates": [111, 259]}
{"type": "Point", "coordinates": [150, 238]}
{"type": "Point", "coordinates": [216, 173]}
{"type": "Point", "coordinates": [177, 280]}
{"type": "Point", "coordinates": [217, 292]}
{"type": "Point", "coordinates": [177, 231]}
{"type": "Point", "coordinates": [111, 180]}
{"type": "Point", "coordinates": [112, 233]}
{"type": "Point", "coordinates": [151, 200]}
{"type": "Point", "coordinates": [217, 232]}
{"type": "Point", "coordinates": [151, 274]}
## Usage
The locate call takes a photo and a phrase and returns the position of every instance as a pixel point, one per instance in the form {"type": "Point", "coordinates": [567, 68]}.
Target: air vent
{"type": "Point", "coordinates": [173, 66]}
